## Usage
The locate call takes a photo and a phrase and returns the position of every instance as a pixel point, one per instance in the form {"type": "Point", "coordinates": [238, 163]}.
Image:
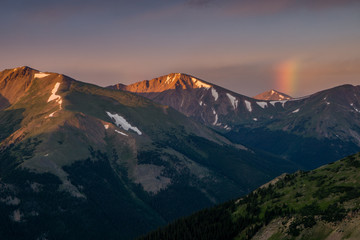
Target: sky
{"type": "Point", "coordinates": [248, 46]}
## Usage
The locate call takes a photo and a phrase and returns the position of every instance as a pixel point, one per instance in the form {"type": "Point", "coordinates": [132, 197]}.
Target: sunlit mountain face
{"type": "Point", "coordinates": [272, 95]}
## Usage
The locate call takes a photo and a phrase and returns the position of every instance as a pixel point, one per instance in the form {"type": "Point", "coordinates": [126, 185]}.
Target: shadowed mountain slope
{"type": "Point", "coordinates": [81, 161]}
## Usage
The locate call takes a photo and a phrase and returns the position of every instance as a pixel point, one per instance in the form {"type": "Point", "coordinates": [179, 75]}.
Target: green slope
{"type": "Point", "coordinates": [319, 204]}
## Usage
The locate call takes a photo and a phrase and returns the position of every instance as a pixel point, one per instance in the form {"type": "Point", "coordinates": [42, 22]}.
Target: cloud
{"type": "Point", "coordinates": [335, 68]}
{"type": "Point", "coordinates": [199, 3]}
{"type": "Point", "coordinates": [260, 7]}
{"type": "Point", "coordinates": [57, 11]}
{"type": "Point", "coordinates": [266, 7]}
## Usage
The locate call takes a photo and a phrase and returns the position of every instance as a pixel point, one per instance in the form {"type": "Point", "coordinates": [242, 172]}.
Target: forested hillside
{"type": "Point", "coordinates": [319, 204]}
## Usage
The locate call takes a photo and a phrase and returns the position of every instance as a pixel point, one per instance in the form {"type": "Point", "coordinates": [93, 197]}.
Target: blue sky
{"type": "Point", "coordinates": [235, 44]}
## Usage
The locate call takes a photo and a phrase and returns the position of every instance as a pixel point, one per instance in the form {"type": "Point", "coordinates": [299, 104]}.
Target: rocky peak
{"type": "Point", "coordinates": [171, 81]}
{"type": "Point", "coordinates": [272, 95]}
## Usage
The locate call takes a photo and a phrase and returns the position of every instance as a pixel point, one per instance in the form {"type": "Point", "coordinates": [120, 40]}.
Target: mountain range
{"type": "Point", "coordinates": [324, 122]}
{"type": "Point", "coordinates": [82, 161]}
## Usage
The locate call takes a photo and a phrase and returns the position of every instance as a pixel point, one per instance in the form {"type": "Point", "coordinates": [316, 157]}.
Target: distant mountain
{"type": "Point", "coordinates": [205, 102]}
{"type": "Point", "coordinates": [320, 204]}
{"type": "Point", "coordinates": [272, 95]}
{"type": "Point", "coordinates": [298, 129]}
{"type": "Point", "coordinates": [78, 161]}
{"type": "Point", "coordinates": [312, 130]}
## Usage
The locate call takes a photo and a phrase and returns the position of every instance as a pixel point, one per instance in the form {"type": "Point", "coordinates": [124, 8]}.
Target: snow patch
{"type": "Point", "coordinates": [295, 111]}
{"type": "Point", "coordinates": [262, 104]}
{"type": "Point", "coordinates": [357, 110]}
{"type": "Point", "coordinates": [121, 122]}
{"type": "Point", "coordinates": [54, 96]}
{"type": "Point", "coordinates": [201, 103]}
{"type": "Point", "coordinates": [52, 114]}
{"type": "Point", "coordinates": [227, 127]}
{"type": "Point", "coordinates": [233, 100]}
{"type": "Point", "coordinates": [248, 105]}
{"type": "Point", "coordinates": [214, 93]}
{"type": "Point", "coordinates": [41, 75]}
{"type": "Point", "coordinates": [199, 83]}
{"type": "Point", "coordinates": [216, 117]}
{"type": "Point", "coordinates": [121, 133]}
{"type": "Point", "coordinates": [255, 119]}
{"type": "Point", "coordinates": [169, 79]}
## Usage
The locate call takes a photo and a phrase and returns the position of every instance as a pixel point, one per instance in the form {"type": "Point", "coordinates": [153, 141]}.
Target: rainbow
{"type": "Point", "coordinates": [287, 77]}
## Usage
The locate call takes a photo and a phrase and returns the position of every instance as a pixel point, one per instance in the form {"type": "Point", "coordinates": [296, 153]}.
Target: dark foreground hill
{"type": "Point", "coordinates": [320, 204]}
{"type": "Point", "coordinates": [78, 161]}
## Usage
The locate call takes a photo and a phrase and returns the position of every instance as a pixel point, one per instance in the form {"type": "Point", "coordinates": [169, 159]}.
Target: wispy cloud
{"type": "Point", "coordinates": [260, 7]}
{"type": "Point", "coordinates": [334, 68]}
{"type": "Point", "coordinates": [199, 3]}
{"type": "Point", "coordinates": [266, 7]}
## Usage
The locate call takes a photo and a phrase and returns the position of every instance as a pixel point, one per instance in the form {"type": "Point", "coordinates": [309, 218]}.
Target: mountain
{"type": "Point", "coordinates": [78, 161]}
{"type": "Point", "coordinates": [320, 204]}
{"type": "Point", "coordinates": [313, 130]}
{"type": "Point", "coordinates": [206, 103]}
{"type": "Point", "coordinates": [272, 95]}
{"type": "Point", "coordinates": [299, 129]}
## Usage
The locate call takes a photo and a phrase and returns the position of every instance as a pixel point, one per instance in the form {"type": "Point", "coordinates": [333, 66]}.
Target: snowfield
{"type": "Point", "coordinates": [248, 105]}
{"type": "Point", "coordinates": [121, 122]}
{"type": "Point", "coordinates": [41, 75]}
{"type": "Point", "coordinates": [233, 100]}
{"type": "Point", "coordinates": [199, 83]}
{"type": "Point", "coordinates": [262, 104]}
{"type": "Point", "coordinates": [55, 97]}
{"type": "Point", "coordinates": [214, 93]}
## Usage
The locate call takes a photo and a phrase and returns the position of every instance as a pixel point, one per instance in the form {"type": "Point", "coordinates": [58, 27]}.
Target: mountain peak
{"type": "Point", "coordinates": [171, 81]}
{"type": "Point", "coordinates": [183, 81]}
{"type": "Point", "coordinates": [272, 95]}
{"type": "Point", "coordinates": [23, 69]}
